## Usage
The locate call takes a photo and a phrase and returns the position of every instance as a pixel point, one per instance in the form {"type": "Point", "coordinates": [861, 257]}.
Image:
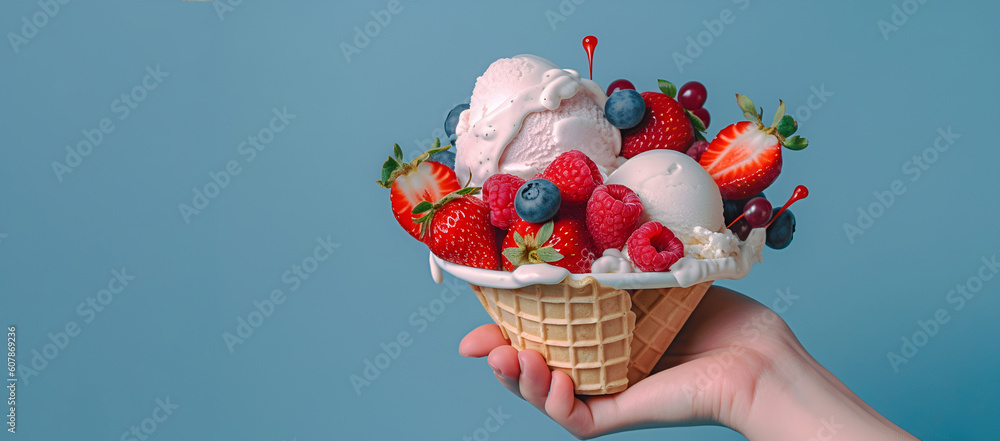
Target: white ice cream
{"type": "Point", "coordinates": [524, 112]}
{"type": "Point", "coordinates": [675, 191]}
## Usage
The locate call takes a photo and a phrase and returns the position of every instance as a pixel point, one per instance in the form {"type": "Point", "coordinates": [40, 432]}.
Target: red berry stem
{"type": "Point", "coordinates": [735, 220]}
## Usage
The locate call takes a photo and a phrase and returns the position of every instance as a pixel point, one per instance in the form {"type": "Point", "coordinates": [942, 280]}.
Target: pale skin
{"type": "Point", "coordinates": [735, 364]}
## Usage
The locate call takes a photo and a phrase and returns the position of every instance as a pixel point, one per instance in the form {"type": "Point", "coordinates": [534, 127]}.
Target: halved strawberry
{"type": "Point", "coordinates": [458, 230]}
{"type": "Point", "coordinates": [415, 182]}
{"type": "Point", "coordinates": [666, 125]}
{"type": "Point", "coordinates": [563, 242]}
{"type": "Point", "coordinates": [745, 158]}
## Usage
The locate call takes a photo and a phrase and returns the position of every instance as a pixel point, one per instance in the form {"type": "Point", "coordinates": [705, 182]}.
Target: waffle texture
{"type": "Point", "coordinates": [580, 327]}
{"type": "Point", "coordinates": [660, 314]}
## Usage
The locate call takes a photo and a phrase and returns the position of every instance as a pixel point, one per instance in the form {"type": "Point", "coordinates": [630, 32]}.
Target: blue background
{"type": "Point", "coordinates": [163, 335]}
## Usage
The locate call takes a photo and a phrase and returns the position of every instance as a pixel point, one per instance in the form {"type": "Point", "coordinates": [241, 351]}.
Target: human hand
{"type": "Point", "coordinates": [735, 363]}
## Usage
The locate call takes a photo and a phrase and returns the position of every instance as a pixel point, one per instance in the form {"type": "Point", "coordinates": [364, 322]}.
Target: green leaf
{"type": "Point", "coordinates": [389, 166]}
{"type": "Point", "coordinates": [796, 143]}
{"type": "Point", "coordinates": [699, 137]}
{"type": "Point", "coordinates": [745, 104]}
{"type": "Point", "coordinates": [787, 126]}
{"type": "Point", "coordinates": [422, 207]}
{"type": "Point", "coordinates": [667, 88]}
{"type": "Point", "coordinates": [698, 124]}
{"type": "Point", "coordinates": [467, 190]}
{"type": "Point", "coordinates": [778, 114]}
{"type": "Point", "coordinates": [397, 152]}
{"type": "Point", "coordinates": [544, 233]}
{"type": "Point", "coordinates": [751, 116]}
{"type": "Point", "coordinates": [514, 255]}
{"type": "Point", "coordinates": [518, 239]}
{"type": "Point", "coordinates": [548, 254]}
{"type": "Point", "coordinates": [437, 143]}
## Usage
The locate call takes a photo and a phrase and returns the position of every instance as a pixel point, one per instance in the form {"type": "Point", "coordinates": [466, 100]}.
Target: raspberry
{"type": "Point", "coordinates": [499, 191]}
{"type": "Point", "coordinates": [575, 174]}
{"type": "Point", "coordinates": [697, 149]}
{"type": "Point", "coordinates": [653, 247]}
{"type": "Point", "coordinates": [612, 213]}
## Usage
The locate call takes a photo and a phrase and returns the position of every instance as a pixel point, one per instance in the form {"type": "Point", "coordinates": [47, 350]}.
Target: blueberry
{"type": "Point", "coordinates": [624, 108]}
{"type": "Point", "coordinates": [537, 200]}
{"type": "Point", "coordinates": [451, 121]}
{"type": "Point", "coordinates": [779, 234]}
{"type": "Point", "coordinates": [446, 157]}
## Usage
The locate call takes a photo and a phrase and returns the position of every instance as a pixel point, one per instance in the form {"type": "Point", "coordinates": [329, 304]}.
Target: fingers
{"type": "Point", "coordinates": [504, 362]}
{"type": "Point", "coordinates": [481, 341]}
{"type": "Point", "coordinates": [535, 378]}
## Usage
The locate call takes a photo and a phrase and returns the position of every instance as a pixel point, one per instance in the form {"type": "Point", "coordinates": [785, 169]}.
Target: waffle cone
{"type": "Point", "coordinates": [580, 327]}
{"type": "Point", "coordinates": [660, 314]}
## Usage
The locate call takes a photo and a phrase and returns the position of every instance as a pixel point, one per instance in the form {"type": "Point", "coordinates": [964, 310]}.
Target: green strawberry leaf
{"type": "Point", "coordinates": [787, 126]}
{"type": "Point", "coordinates": [514, 255]}
{"type": "Point", "coordinates": [778, 114]}
{"type": "Point", "coordinates": [796, 143]}
{"type": "Point", "coordinates": [667, 88]}
{"type": "Point", "coordinates": [544, 233]}
{"type": "Point", "coordinates": [696, 122]}
{"type": "Point", "coordinates": [699, 137]}
{"type": "Point", "coordinates": [548, 254]}
{"type": "Point", "coordinates": [422, 207]}
{"type": "Point", "coordinates": [518, 239]}
{"type": "Point", "coordinates": [397, 152]}
{"type": "Point", "coordinates": [746, 105]}
{"type": "Point", "coordinates": [389, 166]}
{"type": "Point", "coordinates": [467, 190]}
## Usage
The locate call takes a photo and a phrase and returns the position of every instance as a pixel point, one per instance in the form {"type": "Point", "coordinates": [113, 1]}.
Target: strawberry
{"type": "Point", "coordinates": [418, 181]}
{"type": "Point", "coordinates": [457, 229]}
{"type": "Point", "coordinates": [745, 158]}
{"type": "Point", "coordinates": [563, 242]}
{"type": "Point", "coordinates": [666, 125]}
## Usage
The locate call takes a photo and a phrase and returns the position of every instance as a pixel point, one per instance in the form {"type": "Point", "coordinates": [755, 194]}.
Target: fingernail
{"type": "Point", "coordinates": [496, 370]}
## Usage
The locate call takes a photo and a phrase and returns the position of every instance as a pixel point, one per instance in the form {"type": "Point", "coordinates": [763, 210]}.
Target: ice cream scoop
{"type": "Point", "coordinates": [524, 112]}
{"type": "Point", "coordinates": [675, 191]}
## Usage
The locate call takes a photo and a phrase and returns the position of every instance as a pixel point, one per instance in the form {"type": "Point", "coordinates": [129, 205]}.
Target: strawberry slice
{"type": "Point", "coordinates": [745, 157]}
{"type": "Point", "coordinates": [418, 181]}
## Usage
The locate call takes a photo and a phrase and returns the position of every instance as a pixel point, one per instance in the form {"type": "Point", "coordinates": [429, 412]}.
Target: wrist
{"type": "Point", "coordinates": [801, 400]}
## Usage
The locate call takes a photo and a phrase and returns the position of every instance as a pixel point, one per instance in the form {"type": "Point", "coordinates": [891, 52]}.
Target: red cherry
{"type": "Point", "coordinates": [692, 95]}
{"type": "Point", "coordinates": [702, 113]}
{"type": "Point", "coordinates": [617, 85]}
